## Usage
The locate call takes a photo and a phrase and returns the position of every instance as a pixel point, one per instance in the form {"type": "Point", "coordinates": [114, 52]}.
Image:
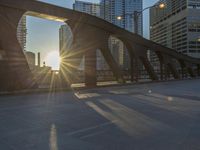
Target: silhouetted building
{"type": "Point", "coordinates": [177, 27]}
{"type": "Point", "coordinates": [30, 56]}
{"type": "Point", "coordinates": [42, 75]}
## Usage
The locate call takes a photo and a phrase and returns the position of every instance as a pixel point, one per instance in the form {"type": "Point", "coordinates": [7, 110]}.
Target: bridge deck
{"type": "Point", "coordinates": [150, 116]}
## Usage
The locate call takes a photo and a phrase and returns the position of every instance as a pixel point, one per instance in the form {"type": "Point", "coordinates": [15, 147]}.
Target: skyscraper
{"type": "Point", "coordinates": [111, 10]}
{"type": "Point", "coordinates": [65, 38]}
{"type": "Point", "coordinates": [177, 26]}
{"type": "Point", "coordinates": [87, 7]}
{"type": "Point", "coordinates": [22, 32]}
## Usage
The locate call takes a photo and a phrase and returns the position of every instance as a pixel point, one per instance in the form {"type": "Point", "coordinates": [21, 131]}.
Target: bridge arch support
{"type": "Point", "coordinates": [90, 33]}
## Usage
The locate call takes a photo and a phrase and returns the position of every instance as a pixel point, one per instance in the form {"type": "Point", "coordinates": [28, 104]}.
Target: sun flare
{"type": "Point", "coordinates": [53, 60]}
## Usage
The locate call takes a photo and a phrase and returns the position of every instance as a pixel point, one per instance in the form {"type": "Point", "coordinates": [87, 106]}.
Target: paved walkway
{"type": "Point", "coordinates": [158, 116]}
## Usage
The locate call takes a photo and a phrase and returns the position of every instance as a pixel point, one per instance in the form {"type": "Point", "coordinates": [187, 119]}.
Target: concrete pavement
{"type": "Point", "coordinates": [157, 116]}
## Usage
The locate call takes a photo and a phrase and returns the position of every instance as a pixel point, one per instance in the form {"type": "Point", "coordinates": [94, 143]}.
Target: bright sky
{"type": "Point", "coordinates": [43, 35]}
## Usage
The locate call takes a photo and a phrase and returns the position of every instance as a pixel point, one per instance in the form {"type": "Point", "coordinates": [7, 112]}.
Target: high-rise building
{"type": "Point", "coordinates": [87, 7]}
{"type": "Point", "coordinates": [177, 27]}
{"type": "Point", "coordinates": [65, 38]}
{"type": "Point", "coordinates": [111, 10]}
{"type": "Point", "coordinates": [92, 9]}
{"type": "Point", "coordinates": [22, 32]}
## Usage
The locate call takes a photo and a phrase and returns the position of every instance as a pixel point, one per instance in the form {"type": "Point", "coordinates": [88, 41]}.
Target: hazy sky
{"type": "Point", "coordinates": [43, 35]}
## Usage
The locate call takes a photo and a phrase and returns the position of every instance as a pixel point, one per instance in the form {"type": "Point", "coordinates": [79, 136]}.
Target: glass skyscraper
{"type": "Point", "coordinates": [112, 9]}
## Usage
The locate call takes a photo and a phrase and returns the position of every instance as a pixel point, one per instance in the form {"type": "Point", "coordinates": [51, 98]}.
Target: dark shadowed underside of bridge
{"type": "Point", "coordinates": [89, 33]}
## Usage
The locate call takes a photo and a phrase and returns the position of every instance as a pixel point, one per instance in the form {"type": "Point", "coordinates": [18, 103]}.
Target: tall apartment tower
{"type": "Point", "coordinates": [110, 11]}
{"type": "Point", "coordinates": [92, 9]}
{"type": "Point", "coordinates": [65, 38]}
{"type": "Point", "coordinates": [177, 26]}
{"type": "Point", "coordinates": [22, 32]}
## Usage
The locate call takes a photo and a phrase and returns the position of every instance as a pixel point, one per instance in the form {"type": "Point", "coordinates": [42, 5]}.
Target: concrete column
{"type": "Point", "coordinates": [198, 69]}
{"type": "Point", "coordinates": [133, 63]}
{"type": "Point", "coordinates": [90, 68]}
{"type": "Point", "coordinates": [191, 71]}
{"type": "Point", "coordinates": [112, 64]}
{"type": "Point", "coordinates": [136, 71]}
{"type": "Point", "coordinates": [132, 68]}
{"type": "Point", "coordinates": [173, 71]}
{"type": "Point", "coordinates": [161, 70]}
{"type": "Point", "coordinates": [169, 66]}
{"type": "Point", "coordinates": [182, 69]}
{"type": "Point", "coordinates": [166, 70]}
{"type": "Point", "coordinates": [182, 72]}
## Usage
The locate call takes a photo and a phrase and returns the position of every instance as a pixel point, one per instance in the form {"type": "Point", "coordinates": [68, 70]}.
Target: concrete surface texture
{"type": "Point", "coordinates": [157, 116]}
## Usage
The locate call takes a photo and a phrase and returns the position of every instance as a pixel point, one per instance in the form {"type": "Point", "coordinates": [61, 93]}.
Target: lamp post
{"type": "Point", "coordinates": [135, 15]}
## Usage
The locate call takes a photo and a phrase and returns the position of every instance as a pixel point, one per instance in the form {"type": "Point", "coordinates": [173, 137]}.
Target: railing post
{"type": "Point", "coordinates": [136, 70]}
{"type": "Point", "coordinates": [132, 68]}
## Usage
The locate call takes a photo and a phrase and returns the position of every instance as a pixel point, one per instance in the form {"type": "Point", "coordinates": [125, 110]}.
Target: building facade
{"type": "Point", "coordinates": [22, 32]}
{"type": "Point", "coordinates": [111, 10]}
{"type": "Point", "coordinates": [177, 27]}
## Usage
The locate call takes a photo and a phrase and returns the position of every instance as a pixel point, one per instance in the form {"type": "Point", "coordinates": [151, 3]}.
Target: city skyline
{"type": "Point", "coordinates": [43, 35]}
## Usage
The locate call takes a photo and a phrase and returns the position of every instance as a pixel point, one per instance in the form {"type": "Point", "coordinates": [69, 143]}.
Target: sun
{"type": "Point", "coordinates": [53, 60]}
